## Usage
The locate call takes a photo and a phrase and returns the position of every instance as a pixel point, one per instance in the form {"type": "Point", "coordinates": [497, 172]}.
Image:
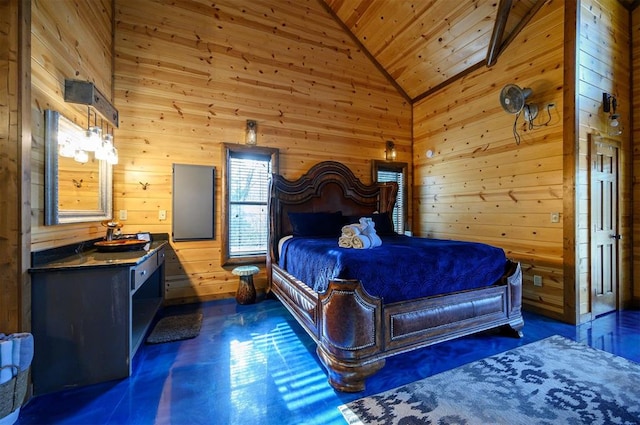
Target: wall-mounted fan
{"type": "Point", "coordinates": [514, 100]}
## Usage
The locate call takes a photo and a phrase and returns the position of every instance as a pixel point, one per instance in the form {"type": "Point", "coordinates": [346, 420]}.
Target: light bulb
{"type": "Point", "coordinates": [81, 156]}
{"type": "Point", "coordinates": [93, 138]}
{"type": "Point", "coordinates": [615, 129]}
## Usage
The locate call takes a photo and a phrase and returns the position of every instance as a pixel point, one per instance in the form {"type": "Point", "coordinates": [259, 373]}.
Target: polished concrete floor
{"type": "Point", "coordinates": [255, 365]}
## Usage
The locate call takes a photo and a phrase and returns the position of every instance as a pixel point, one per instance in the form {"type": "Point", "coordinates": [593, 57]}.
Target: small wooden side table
{"type": "Point", "coordinates": [246, 293]}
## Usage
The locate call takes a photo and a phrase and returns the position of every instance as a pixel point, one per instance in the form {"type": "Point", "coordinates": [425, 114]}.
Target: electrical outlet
{"type": "Point", "coordinates": [555, 217]}
{"type": "Point", "coordinates": [162, 214]}
{"type": "Point", "coordinates": [123, 214]}
{"type": "Point", "coordinates": [537, 280]}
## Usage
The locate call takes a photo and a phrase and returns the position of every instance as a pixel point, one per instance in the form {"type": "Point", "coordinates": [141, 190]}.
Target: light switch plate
{"type": "Point", "coordinates": [162, 214]}
{"type": "Point", "coordinates": [123, 214]}
{"type": "Point", "coordinates": [555, 217]}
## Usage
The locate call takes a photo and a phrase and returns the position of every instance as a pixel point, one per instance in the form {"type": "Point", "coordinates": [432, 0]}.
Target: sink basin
{"type": "Point", "coordinates": [120, 245]}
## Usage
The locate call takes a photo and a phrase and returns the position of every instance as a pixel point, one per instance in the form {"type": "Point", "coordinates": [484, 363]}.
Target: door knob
{"type": "Point", "coordinates": [618, 237]}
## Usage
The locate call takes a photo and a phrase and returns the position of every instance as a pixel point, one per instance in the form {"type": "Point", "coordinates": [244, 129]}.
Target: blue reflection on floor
{"type": "Point", "coordinates": [255, 365]}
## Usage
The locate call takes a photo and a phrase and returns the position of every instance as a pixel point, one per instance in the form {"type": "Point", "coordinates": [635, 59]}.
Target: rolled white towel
{"type": "Point", "coordinates": [361, 242]}
{"type": "Point", "coordinates": [345, 241]}
{"type": "Point", "coordinates": [7, 366]}
{"type": "Point", "coordinates": [367, 225]}
{"type": "Point", "coordinates": [351, 230]}
{"type": "Point", "coordinates": [23, 349]}
{"type": "Point", "coordinates": [368, 228]}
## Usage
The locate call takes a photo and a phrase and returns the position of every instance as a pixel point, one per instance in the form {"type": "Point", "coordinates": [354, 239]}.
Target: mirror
{"type": "Point", "coordinates": [74, 192]}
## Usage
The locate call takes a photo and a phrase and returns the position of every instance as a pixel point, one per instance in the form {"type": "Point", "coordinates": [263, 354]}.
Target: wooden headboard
{"type": "Point", "coordinates": [328, 186]}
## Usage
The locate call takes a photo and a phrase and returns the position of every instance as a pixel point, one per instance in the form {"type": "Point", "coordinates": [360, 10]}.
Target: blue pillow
{"type": "Point", "coordinates": [383, 222]}
{"type": "Point", "coordinates": [316, 224]}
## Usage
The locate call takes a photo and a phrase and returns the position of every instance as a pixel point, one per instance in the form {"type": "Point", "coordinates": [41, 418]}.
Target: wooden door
{"type": "Point", "coordinates": [604, 225]}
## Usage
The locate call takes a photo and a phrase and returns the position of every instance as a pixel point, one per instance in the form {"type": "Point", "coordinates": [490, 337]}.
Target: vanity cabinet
{"type": "Point", "coordinates": [90, 313]}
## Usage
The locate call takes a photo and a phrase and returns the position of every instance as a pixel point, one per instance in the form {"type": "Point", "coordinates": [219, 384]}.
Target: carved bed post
{"type": "Point", "coordinates": [350, 334]}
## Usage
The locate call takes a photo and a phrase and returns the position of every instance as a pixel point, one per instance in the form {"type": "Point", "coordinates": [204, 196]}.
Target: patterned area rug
{"type": "Point", "coordinates": [552, 381]}
{"type": "Point", "coordinates": [176, 328]}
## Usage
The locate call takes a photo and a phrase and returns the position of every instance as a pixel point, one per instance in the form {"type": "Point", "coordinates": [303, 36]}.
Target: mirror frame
{"type": "Point", "coordinates": [52, 213]}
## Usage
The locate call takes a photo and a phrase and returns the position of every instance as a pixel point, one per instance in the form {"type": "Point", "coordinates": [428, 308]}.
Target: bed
{"type": "Point", "coordinates": [354, 329]}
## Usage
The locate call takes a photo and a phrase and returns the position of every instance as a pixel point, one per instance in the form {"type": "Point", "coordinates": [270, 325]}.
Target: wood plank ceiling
{"type": "Point", "coordinates": [424, 44]}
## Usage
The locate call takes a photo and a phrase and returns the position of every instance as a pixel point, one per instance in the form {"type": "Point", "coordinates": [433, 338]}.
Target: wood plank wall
{"type": "Point", "coordinates": [480, 185]}
{"type": "Point", "coordinates": [69, 40]}
{"type": "Point", "coordinates": [635, 137]}
{"type": "Point", "coordinates": [604, 66]}
{"type": "Point", "coordinates": [10, 247]}
{"type": "Point", "coordinates": [189, 74]}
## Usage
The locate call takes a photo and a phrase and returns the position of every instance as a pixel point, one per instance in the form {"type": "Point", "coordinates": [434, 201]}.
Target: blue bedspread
{"type": "Point", "coordinates": [402, 268]}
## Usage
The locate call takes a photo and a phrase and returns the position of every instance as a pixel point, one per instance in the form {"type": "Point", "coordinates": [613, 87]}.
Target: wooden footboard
{"type": "Point", "coordinates": [355, 332]}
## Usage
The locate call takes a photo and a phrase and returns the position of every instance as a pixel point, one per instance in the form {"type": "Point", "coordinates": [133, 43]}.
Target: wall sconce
{"type": "Point", "coordinates": [609, 105]}
{"type": "Point", "coordinates": [251, 137]}
{"type": "Point", "coordinates": [390, 151]}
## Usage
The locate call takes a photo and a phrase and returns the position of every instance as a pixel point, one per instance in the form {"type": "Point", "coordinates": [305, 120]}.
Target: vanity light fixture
{"type": "Point", "coordinates": [609, 105]}
{"type": "Point", "coordinates": [251, 137]}
{"type": "Point", "coordinates": [86, 93]}
{"type": "Point", "coordinates": [390, 151]}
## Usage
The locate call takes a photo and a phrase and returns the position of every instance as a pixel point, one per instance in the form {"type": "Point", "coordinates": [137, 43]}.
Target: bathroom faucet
{"type": "Point", "coordinates": [111, 226]}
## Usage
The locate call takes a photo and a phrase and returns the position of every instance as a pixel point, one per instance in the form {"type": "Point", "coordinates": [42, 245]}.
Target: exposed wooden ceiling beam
{"type": "Point", "coordinates": [498, 32]}
{"type": "Point", "coordinates": [631, 7]}
{"type": "Point", "coordinates": [522, 24]}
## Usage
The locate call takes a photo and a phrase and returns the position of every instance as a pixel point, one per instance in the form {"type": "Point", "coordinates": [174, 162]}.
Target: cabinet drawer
{"type": "Point", "coordinates": [141, 272]}
{"type": "Point", "coordinates": [160, 255]}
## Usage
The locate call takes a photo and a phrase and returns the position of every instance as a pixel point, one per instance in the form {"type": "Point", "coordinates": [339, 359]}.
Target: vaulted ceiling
{"type": "Point", "coordinates": [424, 44]}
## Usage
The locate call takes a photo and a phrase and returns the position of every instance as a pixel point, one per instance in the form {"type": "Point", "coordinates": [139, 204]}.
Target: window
{"type": "Point", "coordinates": [394, 172]}
{"type": "Point", "coordinates": [247, 173]}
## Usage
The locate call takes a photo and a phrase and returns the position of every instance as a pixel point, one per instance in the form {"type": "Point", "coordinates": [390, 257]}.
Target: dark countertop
{"type": "Point", "coordinates": [86, 255]}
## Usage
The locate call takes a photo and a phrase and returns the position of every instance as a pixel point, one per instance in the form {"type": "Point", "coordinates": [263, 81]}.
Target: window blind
{"type": "Point", "coordinates": [248, 194]}
{"type": "Point", "coordinates": [399, 208]}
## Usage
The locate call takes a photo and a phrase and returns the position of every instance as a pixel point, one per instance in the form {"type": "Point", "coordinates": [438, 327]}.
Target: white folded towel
{"type": "Point", "coordinates": [375, 239]}
{"type": "Point", "coordinates": [8, 369]}
{"type": "Point", "coordinates": [22, 349]}
{"type": "Point", "coordinates": [368, 228]}
{"type": "Point", "coordinates": [351, 230]}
